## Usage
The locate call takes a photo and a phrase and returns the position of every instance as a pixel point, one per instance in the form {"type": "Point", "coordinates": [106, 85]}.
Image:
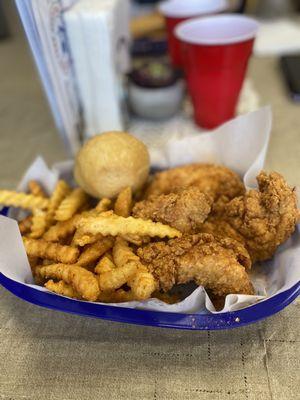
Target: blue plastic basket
{"type": "Point", "coordinates": [227, 320]}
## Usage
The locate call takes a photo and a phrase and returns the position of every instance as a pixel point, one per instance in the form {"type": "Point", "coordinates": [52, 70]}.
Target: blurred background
{"type": "Point", "coordinates": [125, 80]}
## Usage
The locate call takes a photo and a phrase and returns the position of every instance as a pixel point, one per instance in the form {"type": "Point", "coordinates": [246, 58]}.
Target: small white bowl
{"type": "Point", "coordinates": [156, 103]}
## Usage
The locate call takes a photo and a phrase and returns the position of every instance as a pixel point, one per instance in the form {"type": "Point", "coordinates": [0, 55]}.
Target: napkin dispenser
{"type": "Point", "coordinates": [98, 34]}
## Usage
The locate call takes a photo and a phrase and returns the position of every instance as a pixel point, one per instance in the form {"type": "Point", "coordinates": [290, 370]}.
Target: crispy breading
{"type": "Point", "coordinates": [111, 224]}
{"type": "Point", "coordinates": [53, 251]}
{"type": "Point", "coordinates": [214, 180]}
{"type": "Point", "coordinates": [265, 218]}
{"type": "Point", "coordinates": [11, 198]}
{"type": "Point", "coordinates": [71, 204]}
{"type": "Point", "coordinates": [62, 288]}
{"type": "Point", "coordinates": [83, 282]}
{"type": "Point", "coordinates": [210, 262]}
{"type": "Point", "coordinates": [219, 227]}
{"type": "Point", "coordinates": [185, 210]}
{"type": "Point", "coordinates": [123, 203]}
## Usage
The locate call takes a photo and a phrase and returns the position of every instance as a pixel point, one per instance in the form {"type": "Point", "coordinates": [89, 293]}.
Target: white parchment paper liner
{"type": "Point", "coordinates": [240, 144]}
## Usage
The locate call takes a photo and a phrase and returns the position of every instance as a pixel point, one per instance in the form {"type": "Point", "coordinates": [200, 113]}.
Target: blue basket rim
{"type": "Point", "coordinates": [227, 320]}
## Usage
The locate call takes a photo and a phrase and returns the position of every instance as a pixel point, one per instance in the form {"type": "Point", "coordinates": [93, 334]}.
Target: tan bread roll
{"type": "Point", "coordinates": [111, 161]}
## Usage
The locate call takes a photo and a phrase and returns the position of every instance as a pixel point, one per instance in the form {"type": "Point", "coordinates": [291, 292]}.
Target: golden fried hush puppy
{"type": "Point", "coordinates": [110, 162]}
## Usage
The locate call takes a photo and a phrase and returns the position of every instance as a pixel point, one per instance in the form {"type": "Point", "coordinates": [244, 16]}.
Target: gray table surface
{"type": "Point", "coordinates": [50, 355]}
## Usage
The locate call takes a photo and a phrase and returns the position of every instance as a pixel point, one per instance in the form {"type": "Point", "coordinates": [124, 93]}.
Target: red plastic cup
{"type": "Point", "coordinates": [216, 51]}
{"type": "Point", "coordinates": [176, 11]}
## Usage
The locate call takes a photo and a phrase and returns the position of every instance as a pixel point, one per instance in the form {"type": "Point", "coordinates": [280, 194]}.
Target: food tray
{"type": "Point", "coordinates": [199, 321]}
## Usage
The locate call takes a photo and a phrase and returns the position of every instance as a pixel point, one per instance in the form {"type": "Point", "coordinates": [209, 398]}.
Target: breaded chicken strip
{"type": "Point", "coordinates": [217, 181]}
{"type": "Point", "coordinates": [216, 264]}
{"type": "Point", "coordinates": [261, 219]}
{"type": "Point", "coordinates": [185, 210]}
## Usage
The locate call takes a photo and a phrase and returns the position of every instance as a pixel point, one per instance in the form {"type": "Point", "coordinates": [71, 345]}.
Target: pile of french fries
{"type": "Point", "coordinates": [86, 251]}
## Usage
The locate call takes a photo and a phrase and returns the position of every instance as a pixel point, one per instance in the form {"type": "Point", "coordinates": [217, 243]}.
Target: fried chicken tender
{"type": "Point", "coordinates": [184, 211]}
{"type": "Point", "coordinates": [265, 218]}
{"type": "Point", "coordinates": [211, 262]}
{"type": "Point", "coordinates": [217, 181]}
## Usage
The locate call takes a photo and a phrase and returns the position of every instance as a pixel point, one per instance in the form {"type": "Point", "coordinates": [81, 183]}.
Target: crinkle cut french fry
{"type": "Point", "coordinates": [104, 265]}
{"type": "Point", "coordinates": [83, 238]}
{"type": "Point", "coordinates": [103, 205]}
{"type": "Point", "coordinates": [116, 278]}
{"type": "Point", "coordinates": [27, 201]}
{"type": "Point", "coordinates": [61, 191]}
{"type": "Point", "coordinates": [137, 240]}
{"type": "Point", "coordinates": [61, 230]}
{"type": "Point", "coordinates": [62, 288]}
{"type": "Point", "coordinates": [36, 189]}
{"type": "Point", "coordinates": [142, 283]}
{"type": "Point", "coordinates": [25, 224]}
{"type": "Point", "coordinates": [94, 251]}
{"type": "Point", "coordinates": [111, 224]}
{"type": "Point", "coordinates": [71, 204]}
{"type": "Point", "coordinates": [123, 203]}
{"type": "Point", "coordinates": [83, 282]}
{"type": "Point", "coordinates": [53, 251]}
{"type": "Point", "coordinates": [122, 253]}
{"type": "Point", "coordinates": [39, 224]}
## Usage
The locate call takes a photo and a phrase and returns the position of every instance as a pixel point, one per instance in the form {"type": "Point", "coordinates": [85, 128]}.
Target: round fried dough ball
{"type": "Point", "coordinates": [111, 161]}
